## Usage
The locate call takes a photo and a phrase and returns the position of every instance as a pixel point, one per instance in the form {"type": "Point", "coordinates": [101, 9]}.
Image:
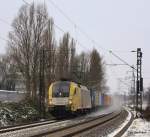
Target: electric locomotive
{"type": "Point", "coordinates": [69, 97]}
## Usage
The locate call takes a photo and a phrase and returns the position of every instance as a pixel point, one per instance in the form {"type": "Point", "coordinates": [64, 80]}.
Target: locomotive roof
{"type": "Point", "coordinates": [79, 85]}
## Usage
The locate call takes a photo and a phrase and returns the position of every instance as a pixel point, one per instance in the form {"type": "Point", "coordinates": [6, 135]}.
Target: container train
{"type": "Point", "coordinates": [74, 98]}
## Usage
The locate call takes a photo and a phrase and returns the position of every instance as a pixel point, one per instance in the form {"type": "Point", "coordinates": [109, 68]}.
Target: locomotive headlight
{"type": "Point", "coordinates": [70, 101]}
{"type": "Point", "coordinates": [50, 102]}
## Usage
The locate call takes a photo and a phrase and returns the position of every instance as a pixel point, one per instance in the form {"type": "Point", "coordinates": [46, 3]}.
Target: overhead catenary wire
{"type": "Point", "coordinates": [115, 74]}
{"type": "Point", "coordinates": [2, 38]}
{"type": "Point", "coordinates": [85, 33]}
{"type": "Point", "coordinates": [46, 50]}
{"type": "Point", "coordinates": [76, 26]}
{"type": "Point", "coordinates": [70, 20]}
{"type": "Point", "coordinates": [87, 36]}
{"type": "Point", "coordinates": [111, 52]}
{"type": "Point", "coordinates": [58, 27]}
{"type": "Point", "coordinates": [2, 20]}
{"type": "Point", "coordinates": [124, 83]}
{"type": "Point", "coordinates": [62, 12]}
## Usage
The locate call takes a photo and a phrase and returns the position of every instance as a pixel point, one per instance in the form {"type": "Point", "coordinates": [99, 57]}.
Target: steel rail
{"type": "Point", "coordinates": [71, 129]}
{"type": "Point", "coordinates": [74, 129]}
{"type": "Point", "coordinates": [24, 126]}
{"type": "Point", "coordinates": [123, 130]}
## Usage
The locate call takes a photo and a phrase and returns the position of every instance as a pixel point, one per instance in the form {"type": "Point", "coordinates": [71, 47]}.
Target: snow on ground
{"type": "Point", "coordinates": [139, 128]}
{"type": "Point", "coordinates": [17, 113]}
{"type": "Point", "coordinates": [103, 111]}
{"type": "Point", "coordinates": [121, 126]}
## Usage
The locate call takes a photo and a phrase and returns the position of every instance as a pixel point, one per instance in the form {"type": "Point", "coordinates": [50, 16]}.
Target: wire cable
{"type": "Point", "coordinates": [75, 25]}
{"type": "Point", "coordinates": [58, 27]}
{"type": "Point", "coordinates": [85, 33]}
{"type": "Point", "coordinates": [122, 60]}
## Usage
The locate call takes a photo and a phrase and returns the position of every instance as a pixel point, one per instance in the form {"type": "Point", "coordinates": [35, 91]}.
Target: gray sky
{"type": "Point", "coordinates": [118, 25]}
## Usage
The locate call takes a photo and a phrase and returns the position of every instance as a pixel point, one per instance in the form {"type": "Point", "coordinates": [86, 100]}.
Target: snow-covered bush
{"type": "Point", "coordinates": [17, 113]}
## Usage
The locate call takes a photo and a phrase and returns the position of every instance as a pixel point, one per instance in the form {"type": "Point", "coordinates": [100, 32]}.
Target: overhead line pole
{"type": "Point", "coordinates": [134, 89]}
{"type": "Point", "coordinates": [139, 83]}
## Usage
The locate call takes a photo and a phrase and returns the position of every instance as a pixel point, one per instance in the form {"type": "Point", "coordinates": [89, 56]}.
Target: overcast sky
{"type": "Point", "coordinates": [117, 25]}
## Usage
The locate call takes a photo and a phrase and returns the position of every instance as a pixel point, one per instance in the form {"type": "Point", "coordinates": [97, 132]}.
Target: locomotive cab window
{"type": "Point", "coordinates": [61, 89]}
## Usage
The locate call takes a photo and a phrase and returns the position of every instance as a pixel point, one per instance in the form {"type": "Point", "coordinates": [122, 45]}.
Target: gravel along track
{"type": "Point", "coordinates": [75, 129]}
{"type": "Point", "coordinates": [24, 126]}
{"type": "Point", "coordinates": [51, 127]}
{"type": "Point", "coordinates": [34, 130]}
{"type": "Point", "coordinates": [105, 129]}
{"type": "Point", "coordinates": [83, 126]}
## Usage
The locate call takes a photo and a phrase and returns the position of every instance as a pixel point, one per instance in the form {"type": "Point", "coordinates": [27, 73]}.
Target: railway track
{"type": "Point", "coordinates": [75, 129]}
{"type": "Point", "coordinates": [54, 128]}
{"type": "Point", "coordinates": [24, 126]}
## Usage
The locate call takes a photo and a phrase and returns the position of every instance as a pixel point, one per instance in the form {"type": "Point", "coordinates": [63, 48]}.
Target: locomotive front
{"type": "Point", "coordinates": [59, 96]}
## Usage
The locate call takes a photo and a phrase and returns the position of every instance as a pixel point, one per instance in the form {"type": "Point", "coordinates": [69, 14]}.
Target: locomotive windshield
{"type": "Point", "coordinates": [61, 89]}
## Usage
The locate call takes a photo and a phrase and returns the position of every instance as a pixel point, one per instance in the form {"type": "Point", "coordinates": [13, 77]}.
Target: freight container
{"type": "Point", "coordinates": [92, 93]}
{"type": "Point", "coordinates": [96, 98]}
{"type": "Point", "coordinates": [110, 101]}
{"type": "Point", "coordinates": [100, 99]}
{"type": "Point", "coordinates": [107, 100]}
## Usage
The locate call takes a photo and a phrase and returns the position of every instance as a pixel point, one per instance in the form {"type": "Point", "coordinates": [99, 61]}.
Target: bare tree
{"type": "Point", "coordinates": [8, 73]}
{"type": "Point", "coordinates": [32, 32]}
{"type": "Point", "coordinates": [84, 67]}
{"type": "Point", "coordinates": [72, 64]}
{"type": "Point", "coordinates": [63, 58]}
{"type": "Point", "coordinates": [25, 41]}
{"type": "Point", "coordinates": [49, 45]}
{"type": "Point", "coordinates": [96, 74]}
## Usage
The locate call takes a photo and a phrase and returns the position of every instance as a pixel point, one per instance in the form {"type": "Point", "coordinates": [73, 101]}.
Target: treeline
{"type": "Point", "coordinates": [32, 31]}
